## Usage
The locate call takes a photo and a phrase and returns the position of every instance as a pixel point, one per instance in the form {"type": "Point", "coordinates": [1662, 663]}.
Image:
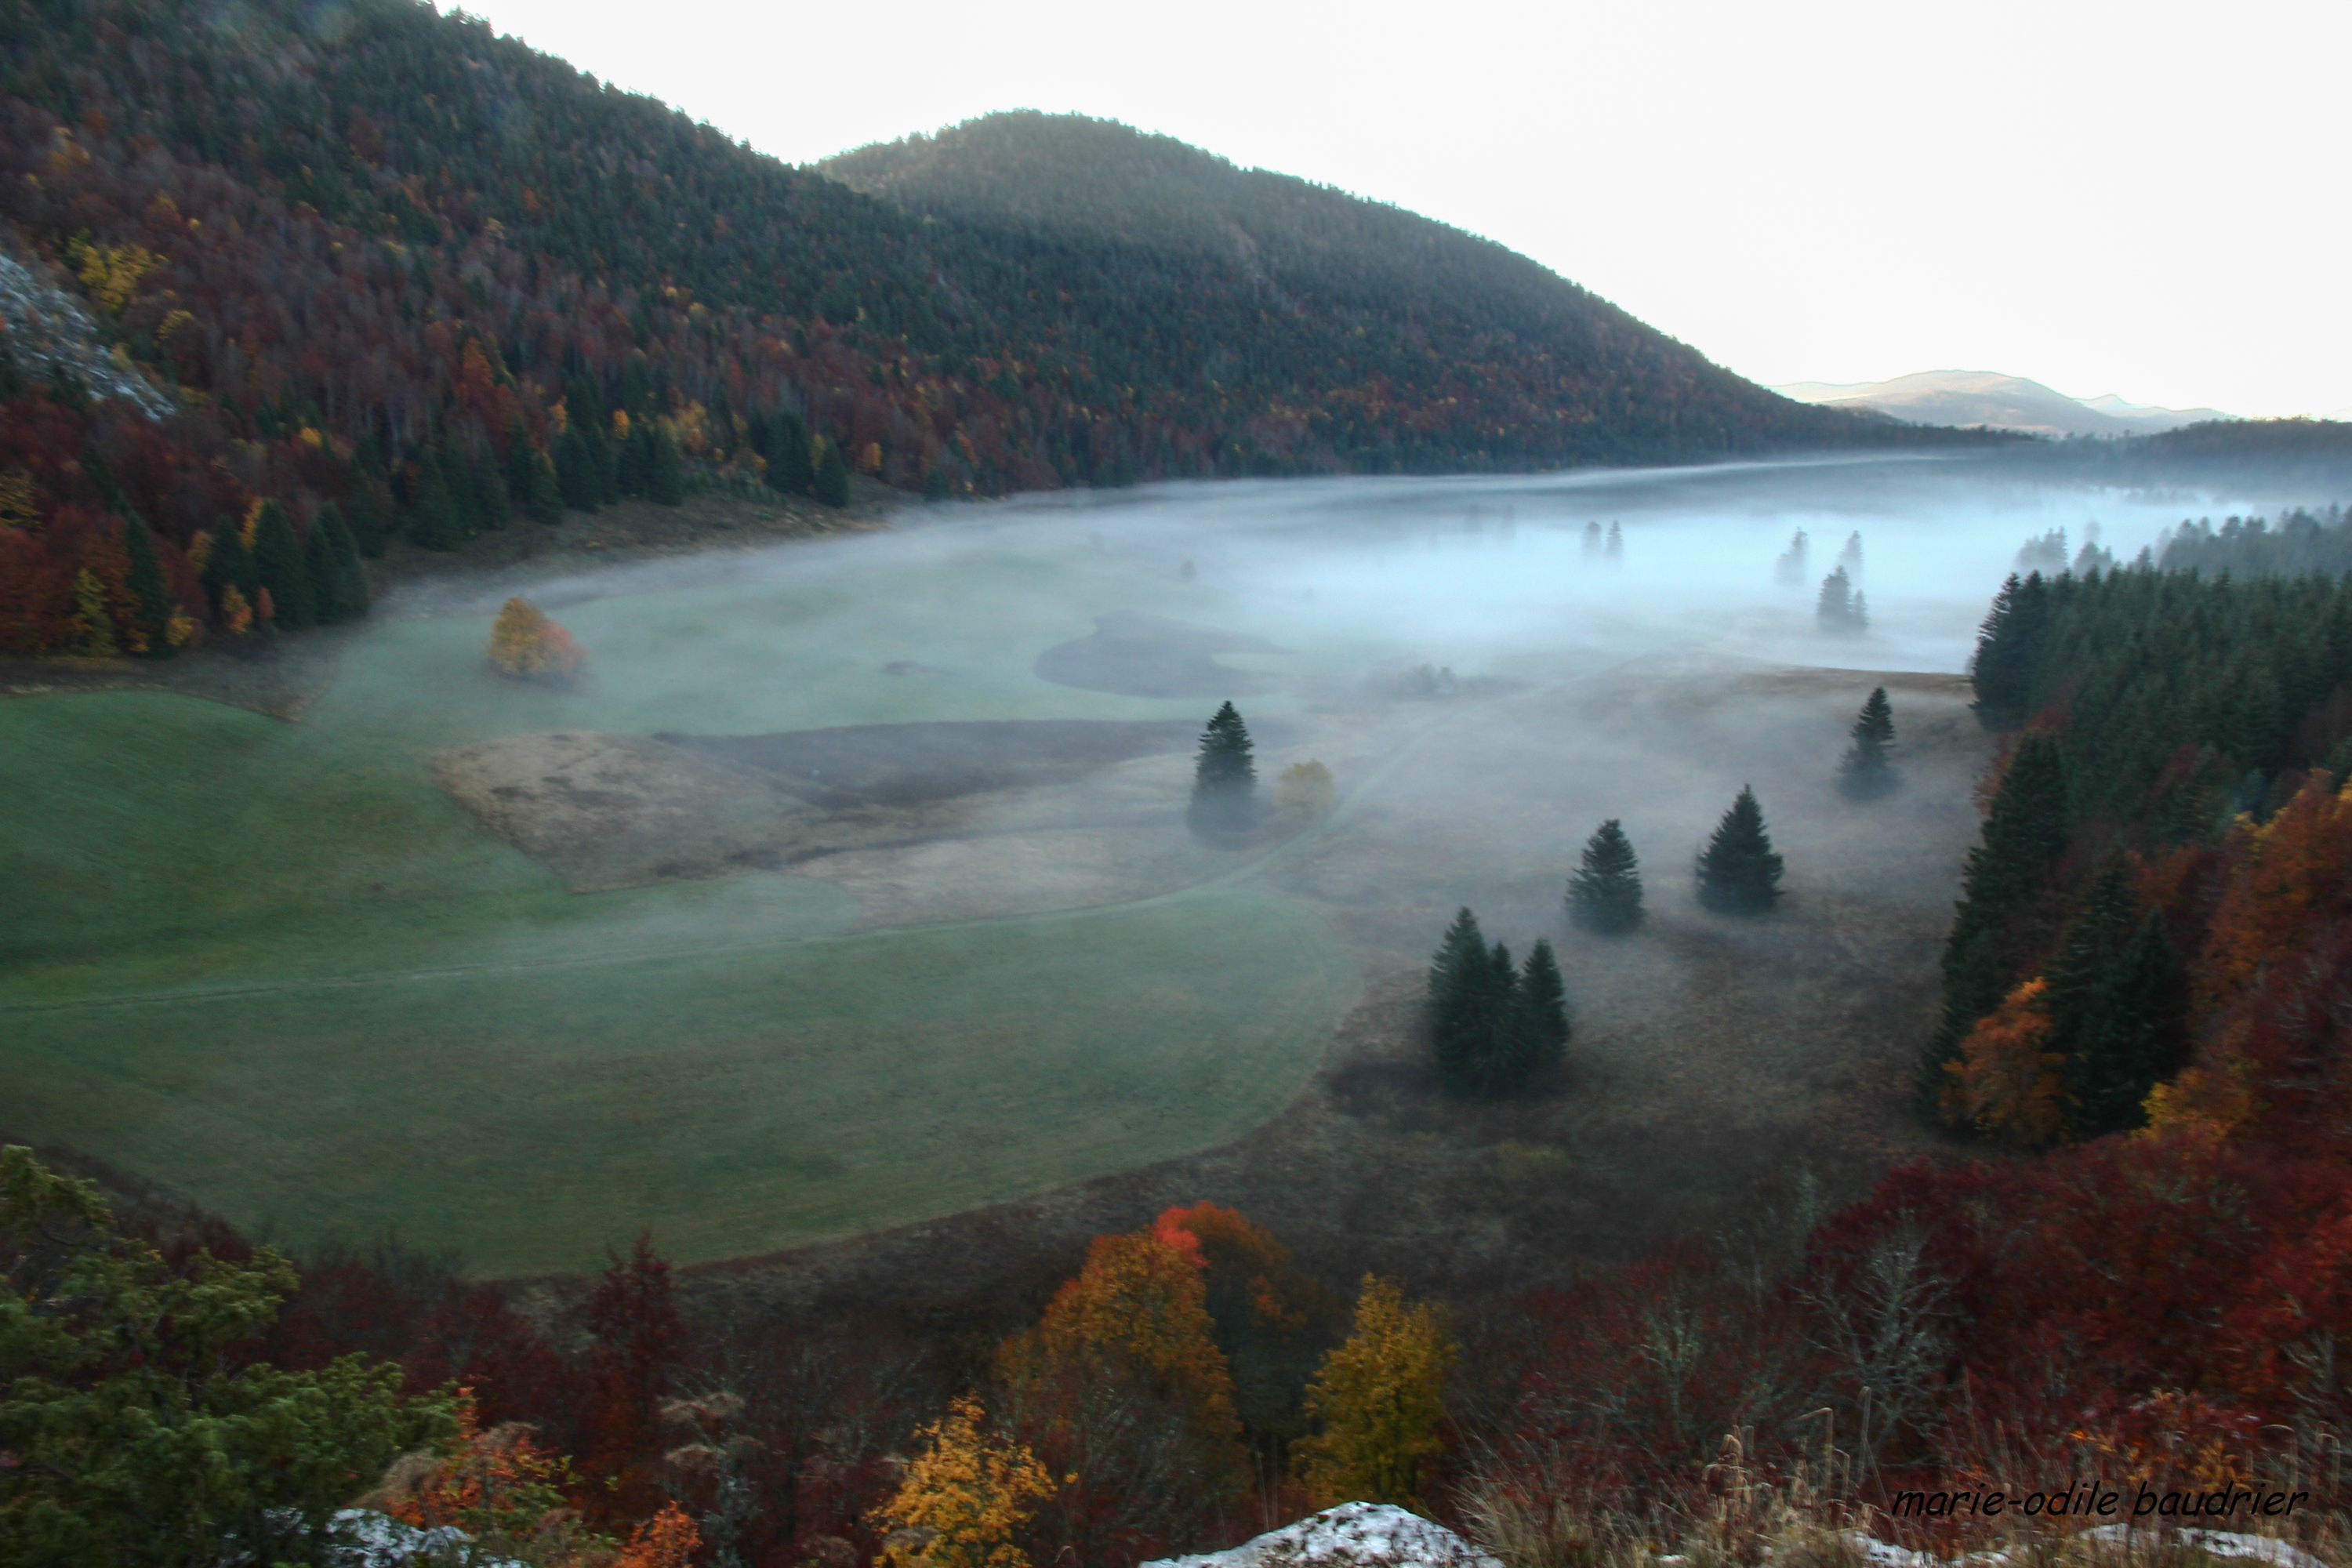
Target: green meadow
{"type": "Point", "coordinates": [272, 966]}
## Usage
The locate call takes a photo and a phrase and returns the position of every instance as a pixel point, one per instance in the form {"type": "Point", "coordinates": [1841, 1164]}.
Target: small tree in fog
{"type": "Point", "coordinates": [1867, 770]}
{"type": "Point", "coordinates": [1790, 570]}
{"type": "Point", "coordinates": [1605, 892]}
{"type": "Point", "coordinates": [1592, 541]}
{"type": "Point", "coordinates": [1739, 874]}
{"type": "Point", "coordinates": [1615, 548]}
{"type": "Point", "coordinates": [1305, 789]}
{"type": "Point", "coordinates": [1225, 778]}
{"type": "Point", "coordinates": [1840, 609]}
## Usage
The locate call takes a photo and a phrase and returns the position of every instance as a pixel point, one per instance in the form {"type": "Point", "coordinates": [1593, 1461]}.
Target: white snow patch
{"type": "Point", "coordinates": [1352, 1535]}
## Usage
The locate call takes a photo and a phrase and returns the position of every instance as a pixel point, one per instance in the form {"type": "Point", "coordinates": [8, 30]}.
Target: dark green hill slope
{"type": "Point", "coordinates": [1324, 321]}
{"type": "Point", "coordinates": [384, 259]}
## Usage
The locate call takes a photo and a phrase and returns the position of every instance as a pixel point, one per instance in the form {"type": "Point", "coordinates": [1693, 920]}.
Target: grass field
{"type": "Point", "coordinates": [272, 966]}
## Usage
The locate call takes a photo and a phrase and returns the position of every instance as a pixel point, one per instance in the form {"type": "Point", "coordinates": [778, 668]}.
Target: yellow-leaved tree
{"type": "Point", "coordinates": [966, 1498]}
{"type": "Point", "coordinates": [1379, 1398]}
{"type": "Point", "coordinates": [525, 644]}
{"type": "Point", "coordinates": [1305, 788]}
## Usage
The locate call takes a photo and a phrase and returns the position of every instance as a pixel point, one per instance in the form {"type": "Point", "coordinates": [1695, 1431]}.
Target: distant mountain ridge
{"type": "Point", "coordinates": [1987, 399]}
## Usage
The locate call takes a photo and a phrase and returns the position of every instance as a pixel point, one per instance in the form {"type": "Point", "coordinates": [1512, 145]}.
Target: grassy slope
{"type": "Point", "coordinates": [273, 965]}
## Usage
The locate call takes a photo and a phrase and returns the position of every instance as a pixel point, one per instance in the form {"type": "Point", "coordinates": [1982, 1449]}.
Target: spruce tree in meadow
{"type": "Point", "coordinates": [1739, 874]}
{"type": "Point", "coordinates": [831, 485]}
{"type": "Point", "coordinates": [285, 573]}
{"type": "Point", "coordinates": [1224, 776]}
{"type": "Point", "coordinates": [1867, 771]}
{"type": "Point", "coordinates": [1541, 1031]}
{"type": "Point", "coordinates": [1461, 1008]}
{"type": "Point", "coordinates": [1840, 610]}
{"type": "Point", "coordinates": [576, 473]}
{"type": "Point", "coordinates": [147, 590]}
{"type": "Point", "coordinates": [1604, 893]}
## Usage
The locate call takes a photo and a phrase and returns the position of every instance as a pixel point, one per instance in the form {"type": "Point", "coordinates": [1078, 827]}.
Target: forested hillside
{"type": "Point", "coordinates": [384, 259]}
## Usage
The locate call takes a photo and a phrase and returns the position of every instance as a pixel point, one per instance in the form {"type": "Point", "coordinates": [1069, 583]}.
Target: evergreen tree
{"type": "Point", "coordinates": [832, 486]}
{"type": "Point", "coordinates": [1866, 770]}
{"type": "Point", "coordinates": [2133, 1036]}
{"type": "Point", "coordinates": [1615, 549]}
{"type": "Point", "coordinates": [1738, 871]}
{"type": "Point", "coordinates": [1224, 777]}
{"type": "Point", "coordinates": [2008, 645]}
{"type": "Point", "coordinates": [491, 508]}
{"type": "Point", "coordinates": [371, 517]}
{"type": "Point", "coordinates": [1994, 931]}
{"type": "Point", "coordinates": [518, 465]}
{"type": "Point", "coordinates": [542, 496]}
{"type": "Point", "coordinates": [1541, 1030]}
{"type": "Point", "coordinates": [343, 586]}
{"type": "Point", "coordinates": [229, 565]}
{"type": "Point", "coordinates": [575, 473]}
{"type": "Point", "coordinates": [1605, 892]}
{"type": "Point", "coordinates": [789, 468]}
{"type": "Point", "coordinates": [434, 521]}
{"type": "Point", "coordinates": [633, 471]}
{"type": "Point", "coordinates": [584, 413]}
{"type": "Point", "coordinates": [1790, 570]}
{"type": "Point", "coordinates": [937, 486]}
{"type": "Point", "coordinates": [1840, 610]}
{"type": "Point", "coordinates": [147, 590]}
{"type": "Point", "coordinates": [278, 557]}
{"type": "Point", "coordinates": [2116, 998]}
{"type": "Point", "coordinates": [665, 471]}
{"type": "Point", "coordinates": [324, 573]}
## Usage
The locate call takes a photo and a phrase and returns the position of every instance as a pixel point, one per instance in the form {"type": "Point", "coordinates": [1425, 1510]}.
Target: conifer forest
{"type": "Point", "coordinates": [1022, 849]}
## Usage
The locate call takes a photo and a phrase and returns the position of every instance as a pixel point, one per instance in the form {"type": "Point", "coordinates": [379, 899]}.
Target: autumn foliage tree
{"type": "Point", "coordinates": [967, 1497]}
{"type": "Point", "coordinates": [1378, 1400]}
{"type": "Point", "coordinates": [527, 645]}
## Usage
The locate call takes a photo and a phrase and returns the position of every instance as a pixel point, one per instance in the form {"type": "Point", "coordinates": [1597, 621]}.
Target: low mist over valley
{"type": "Point", "coordinates": [1025, 849]}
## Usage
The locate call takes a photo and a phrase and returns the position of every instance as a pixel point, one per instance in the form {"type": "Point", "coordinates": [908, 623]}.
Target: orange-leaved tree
{"type": "Point", "coordinates": [2006, 1081]}
{"type": "Point", "coordinates": [967, 1499]}
{"type": "Point", "coordinates": [525, 644]}
{"type": "Point", "coordinates": [1379, 1398]}
{"type": "Point", "coordinates": [499, 1487]}
{"type": "Point", "coordinates": [1122, 1387]}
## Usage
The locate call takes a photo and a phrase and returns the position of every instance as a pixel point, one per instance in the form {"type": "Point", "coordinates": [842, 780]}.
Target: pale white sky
{"type": "Point", "coordinates": [2148, 199]}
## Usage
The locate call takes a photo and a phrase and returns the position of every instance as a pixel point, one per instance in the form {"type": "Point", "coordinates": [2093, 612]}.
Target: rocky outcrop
{"type": "Point", "coordinates": [1352, 1535]}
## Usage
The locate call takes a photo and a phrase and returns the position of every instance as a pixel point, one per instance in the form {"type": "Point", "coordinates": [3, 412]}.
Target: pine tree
{"type": "Point", "coordinates": [634, 472]}
{"type": "Point", "coordinates": [344, 595]}
{"type": "Point", "coordinates": [1790, 570]}
{"type": "Point", "coordinates": [575, 473]}
{"type": "Point", "coordinates": [1604, 894]}
{"type": "Point", "coordinates": [1738, 873]}
{"type": "Point", "coordinates": [277, 558]}
{"type": "Point", "coordinates": [434, 521]}
{"type": "Point", "coordinates": [1469, 1006]}
{"type": "Point", "coordinates": [229, 565]}
{"type": "Point", "coordinates": [664, 471]}
{"type": "Point", "coordinates": [2002, 881]}
{"type": "Point", "coordinates": [2009, 645]}
{"type": "Point", "coordinates": [491, 508]}
{"type": "Point", "coordinates": [147, 590]}
{"type": "Point", "coordinates": [1224, 777]}
{"type": "Point", "coordinates": [543, 495]}
{"type": "Point", "coordinates": [789, 468]}
{"type": "Point", "coordinates": [1866, 770]}
{"type": "Point", "coordinates": [1615, 549]}
{"type": "Point", "coordinates": [324, 573]}
{"type": "Point", "coordinates": [371, 517]}
{"type": "Point", "coordinates": [1539, 1025]}
{"type": "Point", "coordinates": [831, 485]}
{"type": "Point", "coordinates": [2116, 1001]}
{"type": "Point", "coordinates": [1837, 611]}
